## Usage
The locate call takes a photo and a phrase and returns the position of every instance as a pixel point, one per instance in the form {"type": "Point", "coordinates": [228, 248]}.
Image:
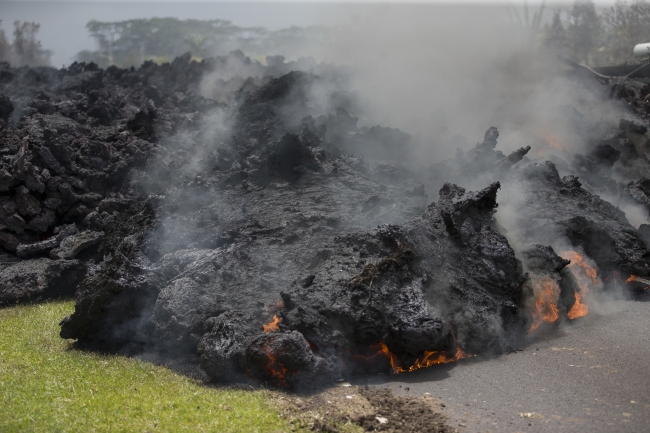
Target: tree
{"type": "Point", "coordinates": [555, 35]}
{"type": "Point", "coordinates": [5, 47]}
{"type": "Point", "coordinates": [129, 43]}
{"type": "Point", "coordinates": [607, 38]}
{"type": "Point", "coordinates": [625, 26]}
{"type": "Point", "coordinates": [584, 31]}
{"type": "Point", "coordinates": [25, 49]}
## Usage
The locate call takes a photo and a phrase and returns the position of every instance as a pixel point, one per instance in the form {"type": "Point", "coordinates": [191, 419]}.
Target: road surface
{"type": "Point", "coordinates": [592, 375]}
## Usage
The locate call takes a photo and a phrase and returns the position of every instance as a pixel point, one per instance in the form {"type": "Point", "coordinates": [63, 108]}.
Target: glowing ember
{"type": "Point", "coordinates": [547, 293]}
{"type": "Point", "coordinates": [579, 309]}
{"type": "Point", "coordinates": [586, 277]}
{"type": "Point", "coordinates": [635, 279]}
{"type": "Point", "coordinates": [553, 141]}
{"type": "Point", "coordinates": [435, 358]}
{"type": "Point", "coordinates": [394, 362]}
{"type": "Point", "coordinates": [276, 369]}
{"type": "Point", "coordinates": [273, 326]}
{"type": "Point", "coordinates": [427, 360]}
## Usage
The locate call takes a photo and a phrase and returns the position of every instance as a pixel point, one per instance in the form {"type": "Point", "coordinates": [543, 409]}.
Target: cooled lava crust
{"type": "Point", "coordinates": [254, 240]}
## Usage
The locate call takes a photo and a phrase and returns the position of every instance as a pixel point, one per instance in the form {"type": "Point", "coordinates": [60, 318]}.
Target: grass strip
{"type": "Point", "coordinates": [45, 386]}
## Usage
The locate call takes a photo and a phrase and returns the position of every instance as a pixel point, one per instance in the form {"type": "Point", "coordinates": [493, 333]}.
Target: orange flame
{"type": "Point", "coordinates": [547, 292]}
{"type": "Point", "coordinates": [272, 326]}
{"type": "Point", "coordinates": [427, 360]}
{"type": "Point", "coordinates": [553, 141]}
{"type": "Point", "coordinates": [394, 362]}
{"type": "Point", "coordinates": [586, 276]}
{"type": "Point", "coordinates": [435, 358]}
{"type": "Point", "coordinates": [635, 279]}
{"type": "Point", "coordinates": [579, 309]}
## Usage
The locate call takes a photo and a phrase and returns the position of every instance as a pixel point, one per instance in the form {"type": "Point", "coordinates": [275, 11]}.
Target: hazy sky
{"type": "Point", "coordinates": [63, 22]}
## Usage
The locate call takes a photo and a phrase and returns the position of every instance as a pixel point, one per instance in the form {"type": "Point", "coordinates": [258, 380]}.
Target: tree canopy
{"type": "Point", "coordinates": [585, 35]}
{"type": "Point", "coordinates": [25, 49]}
{"type": "Point", "coordinates": [129, 43]}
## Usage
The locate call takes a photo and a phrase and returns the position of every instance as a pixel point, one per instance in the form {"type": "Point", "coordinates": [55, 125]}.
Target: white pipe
{"type": "Point", "coordinates": [641, 50]}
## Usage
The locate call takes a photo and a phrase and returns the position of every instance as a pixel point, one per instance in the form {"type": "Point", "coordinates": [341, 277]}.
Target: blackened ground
{"type": "Point", "coordinates": [404, 414]}
{"type": "Point", "coordinates": [373, 409]}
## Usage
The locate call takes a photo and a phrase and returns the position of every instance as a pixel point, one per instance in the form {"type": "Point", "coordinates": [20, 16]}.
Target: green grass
{"type": "Point", "coordinates": [45, 386]}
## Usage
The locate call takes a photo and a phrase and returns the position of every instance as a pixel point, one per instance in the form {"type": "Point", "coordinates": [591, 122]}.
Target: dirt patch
{"type": "Point", "coordinates": [363, 409]}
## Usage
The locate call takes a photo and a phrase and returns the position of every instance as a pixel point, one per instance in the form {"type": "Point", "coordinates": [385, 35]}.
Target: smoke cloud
{"type": "Point", "coordinates": [444, 75]}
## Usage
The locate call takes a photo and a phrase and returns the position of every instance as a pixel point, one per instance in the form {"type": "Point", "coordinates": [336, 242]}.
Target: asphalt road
{"type": "Point", "coordinates": [592, 375]}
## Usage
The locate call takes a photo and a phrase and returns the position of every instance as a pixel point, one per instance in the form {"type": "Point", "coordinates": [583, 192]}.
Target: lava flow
{"type": "Point", "coordinates": [586, 277]}
{"type": "Point", "coordinates": [547, 293]}
{"type": "Point", "coordinates": [427, 360]}
{"type": "Point", "coordinates": [272, 326]}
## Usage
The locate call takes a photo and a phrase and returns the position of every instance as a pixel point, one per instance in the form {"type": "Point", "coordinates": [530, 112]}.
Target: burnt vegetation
{"type": "Point", "coordinates": [183, 225]}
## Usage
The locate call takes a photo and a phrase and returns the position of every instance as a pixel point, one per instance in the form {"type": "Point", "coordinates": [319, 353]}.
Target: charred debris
{"type": "Point", "coordinates": [252, 240]}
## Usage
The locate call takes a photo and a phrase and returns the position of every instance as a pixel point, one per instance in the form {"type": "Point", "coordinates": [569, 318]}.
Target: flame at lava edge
{"type": "Point", "coordinates": [634, 279]}
{"type": "Point", "coordinates": [272, 326]}
{"type": "Point", "coordinates": [275, 368]}
{"type": "Point", "coordinates": [427, 360]}
{"type": "Point", "coordinates": [578, 267]}
{"type": "Point", "coordinates": [545, 309]}
{"type": "Point", "coordinates": [579, 309]}
{"type": "Point", "coordinates": [545, 303]}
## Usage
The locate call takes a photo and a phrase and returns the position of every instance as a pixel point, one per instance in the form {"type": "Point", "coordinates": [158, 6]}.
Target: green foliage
{"type": "Point", "coordinates": [46, 386]}
{"type": "Point", "coordinates": [589, 37]}
{"type": "Point", "coordinates": [129, 43]}
{"type": "Point", "coordinates": [25, 49]}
